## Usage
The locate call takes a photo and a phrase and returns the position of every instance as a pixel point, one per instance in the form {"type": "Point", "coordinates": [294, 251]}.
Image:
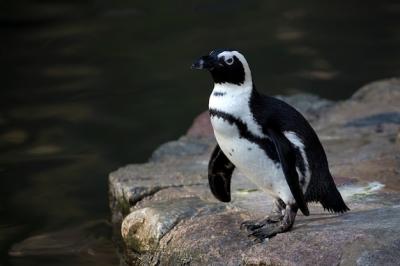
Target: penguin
{"type": "Point", "coordinates": [268, 141]}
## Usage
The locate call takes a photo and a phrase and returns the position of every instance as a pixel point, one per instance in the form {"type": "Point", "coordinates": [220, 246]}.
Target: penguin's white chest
{"type": "Point", "coordinates": [248, 157]}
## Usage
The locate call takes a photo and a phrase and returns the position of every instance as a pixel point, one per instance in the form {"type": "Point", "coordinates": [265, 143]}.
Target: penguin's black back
{"type": "Point", "coordinates": [273, 113]}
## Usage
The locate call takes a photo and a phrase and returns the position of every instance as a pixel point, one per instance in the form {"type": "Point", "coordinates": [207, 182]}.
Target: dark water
{"type": "Point", "coordinates": [87, 86]}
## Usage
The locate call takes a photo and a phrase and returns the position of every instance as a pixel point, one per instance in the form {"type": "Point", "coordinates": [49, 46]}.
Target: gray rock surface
{"type": "Point", "coordinates": [169, 216]}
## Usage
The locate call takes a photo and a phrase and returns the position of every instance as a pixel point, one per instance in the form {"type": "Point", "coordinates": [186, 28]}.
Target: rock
{"type": "Point", "coordinates": [311, 106]}
{"type": "Point", "coordinates": [374, 120]}
{"type": "Point", "coordinates": [201, 126]}
{"type": "Point", "coordinates": [379, 97]}
{"type": "Point", "coordinates": [398, 139]}
{"type": "Point", "coordinates": [184, 147]}
{"type": "Point", "coordinates": [169, 216]}
{"type": "Point", "coordinates": [145, 227]}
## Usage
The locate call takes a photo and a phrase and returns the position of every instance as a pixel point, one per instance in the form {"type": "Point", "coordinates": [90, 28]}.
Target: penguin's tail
{"type": "Point", "coordinates": [333, 201]}
{"type": "Point", "coordinates": [327, 194]}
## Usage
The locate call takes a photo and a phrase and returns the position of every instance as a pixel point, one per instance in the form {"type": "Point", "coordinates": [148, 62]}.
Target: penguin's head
{"type": "Point", "coordinates": [225, 66]}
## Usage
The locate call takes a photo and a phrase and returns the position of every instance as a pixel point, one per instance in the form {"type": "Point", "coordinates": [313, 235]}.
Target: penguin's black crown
{"type": "Point", "coordinates": [225, 66]}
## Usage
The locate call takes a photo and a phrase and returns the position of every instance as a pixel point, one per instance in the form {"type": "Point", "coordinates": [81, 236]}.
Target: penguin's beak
{"type": "Point", "coordinates": [205, 62]}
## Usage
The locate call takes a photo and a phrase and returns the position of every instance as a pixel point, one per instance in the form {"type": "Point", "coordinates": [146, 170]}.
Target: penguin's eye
{"type": "Point", "coordinates": [229, 61]}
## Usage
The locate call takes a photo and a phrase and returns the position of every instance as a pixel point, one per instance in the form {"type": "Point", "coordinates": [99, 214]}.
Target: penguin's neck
{"type": "Point", "coordinates": [235, 101]}
{"type": "Point", "coordinates": [231, 98]}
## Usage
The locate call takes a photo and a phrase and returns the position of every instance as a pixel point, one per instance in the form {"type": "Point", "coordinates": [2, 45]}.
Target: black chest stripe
{"type": "Point", "coordinates": [264, 143]}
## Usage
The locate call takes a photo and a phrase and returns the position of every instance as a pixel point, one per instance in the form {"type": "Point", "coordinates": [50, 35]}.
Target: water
{"type": "Point", "coordinates": [88, 86]}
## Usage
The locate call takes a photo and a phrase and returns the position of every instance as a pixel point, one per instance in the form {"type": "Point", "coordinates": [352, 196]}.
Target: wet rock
{"type": "Point", "coordinates": [169, 216]}
{"type": "Point", "coordinates": [87, 244]}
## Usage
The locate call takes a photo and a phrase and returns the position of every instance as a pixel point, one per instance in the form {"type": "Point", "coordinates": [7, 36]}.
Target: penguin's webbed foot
{"type": "Point", "coordinates": [268, 230]}
{"type": "Point", "coordinates": [275, 217]}
{"type": "Point", "coordinates": [264, 232]}
{"type": "Point", "coordinates": [251, 225]}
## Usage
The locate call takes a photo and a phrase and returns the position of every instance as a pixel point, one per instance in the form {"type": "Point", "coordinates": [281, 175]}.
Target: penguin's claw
{"type": "Point", "coordinates": [262, 233]}
{"type": "Point", "coordinates": [252, 225]}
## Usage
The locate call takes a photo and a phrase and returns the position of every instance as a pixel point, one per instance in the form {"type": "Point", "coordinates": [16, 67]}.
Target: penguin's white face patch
{"type": "Point", "coordinates": [228, 57]}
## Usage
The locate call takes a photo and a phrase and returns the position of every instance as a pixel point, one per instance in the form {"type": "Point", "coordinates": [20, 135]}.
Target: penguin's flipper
{"type": "Point", "coordinates": [220, 171]}
{"type": "Point", "coordinates": [288, 161]}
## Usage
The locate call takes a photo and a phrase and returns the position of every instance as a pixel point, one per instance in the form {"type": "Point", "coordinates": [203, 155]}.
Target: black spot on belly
{"type": "Point", "coordinates": [233, 150]}
{"type": "Point", "coordinates": [230, 154]}
{"type": "Point", "coordinates": [249, 149]}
